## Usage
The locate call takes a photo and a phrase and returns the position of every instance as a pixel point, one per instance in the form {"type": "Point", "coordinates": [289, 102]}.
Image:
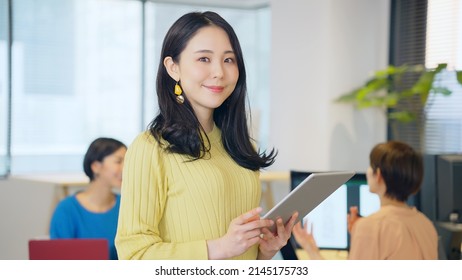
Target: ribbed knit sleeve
{"type": "Point", "coordinates": [171, 205]}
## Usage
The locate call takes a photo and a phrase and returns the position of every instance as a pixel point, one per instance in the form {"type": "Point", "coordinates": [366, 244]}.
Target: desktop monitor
{"type": "Point", "coordinates": [329, 219]}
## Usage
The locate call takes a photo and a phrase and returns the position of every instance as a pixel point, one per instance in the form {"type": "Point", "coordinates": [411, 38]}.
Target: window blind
{"type": "Point", "coordinates": [443, 131]}
{"type": "Point", "coordinates": [429, 33]}
{"type": "Point", "coordinates": [407, 46]}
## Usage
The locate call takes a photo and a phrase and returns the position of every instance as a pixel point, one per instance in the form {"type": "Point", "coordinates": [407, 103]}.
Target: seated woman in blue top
{"type": "Point", "coordinates": [93, 213]}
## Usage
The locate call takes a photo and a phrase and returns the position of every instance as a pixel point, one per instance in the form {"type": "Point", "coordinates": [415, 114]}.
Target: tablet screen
{"type": "Point", "coordinates": [308, 195]}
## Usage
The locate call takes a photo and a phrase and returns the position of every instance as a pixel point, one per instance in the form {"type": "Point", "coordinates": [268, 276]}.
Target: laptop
{"type": "Point", "coordinates": [69, 249]}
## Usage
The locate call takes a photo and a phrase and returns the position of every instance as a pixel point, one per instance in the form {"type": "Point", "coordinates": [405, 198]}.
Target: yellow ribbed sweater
{"type": "Point", "coordinates": [170, 207]}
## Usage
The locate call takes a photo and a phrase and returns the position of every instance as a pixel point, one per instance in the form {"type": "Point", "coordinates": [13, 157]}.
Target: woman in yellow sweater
{"type": "Point", "coordinates": [191, 185]}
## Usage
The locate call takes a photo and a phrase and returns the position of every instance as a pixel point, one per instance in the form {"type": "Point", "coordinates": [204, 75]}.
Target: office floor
{"type": "Point", "coordinates": [327, 254]}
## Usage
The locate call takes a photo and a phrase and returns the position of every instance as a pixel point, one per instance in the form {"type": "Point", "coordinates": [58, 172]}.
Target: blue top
{"type": "Point", "coordinates": [71, 220]}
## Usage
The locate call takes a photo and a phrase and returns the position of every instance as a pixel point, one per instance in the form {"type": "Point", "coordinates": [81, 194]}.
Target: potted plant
{"type": "Point", "coordinates": [405, 92]}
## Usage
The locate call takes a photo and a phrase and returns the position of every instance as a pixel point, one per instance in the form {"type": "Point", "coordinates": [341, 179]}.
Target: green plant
{"type": "Point", "coordinates": [386, 90]}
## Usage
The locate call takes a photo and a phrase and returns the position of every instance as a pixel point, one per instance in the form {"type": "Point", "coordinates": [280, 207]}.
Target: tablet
{"type": "Point", "coordinates": [308, 195]}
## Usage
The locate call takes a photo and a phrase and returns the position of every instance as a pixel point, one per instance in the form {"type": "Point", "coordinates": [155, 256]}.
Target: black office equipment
{"type": "Point", "coordinates": [441, 191]}
{"type": "Point", "coordinates": [449, 172]}
{"type": "Point", "coordinates": [449, 203]}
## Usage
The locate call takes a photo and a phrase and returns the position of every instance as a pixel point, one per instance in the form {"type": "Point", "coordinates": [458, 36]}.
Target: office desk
{"type": "Point", "coordinates": [326, 254]}
{"type": "Point", "coordinates": [63, 181]}
{"type": "Point", "coordinates": [266, 179]}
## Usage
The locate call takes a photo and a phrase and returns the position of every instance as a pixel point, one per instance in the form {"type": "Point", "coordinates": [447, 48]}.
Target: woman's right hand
{"type": "Point", "coordinates": [243, 232]}
{"type": "Point", "coordinates": [352, 217]}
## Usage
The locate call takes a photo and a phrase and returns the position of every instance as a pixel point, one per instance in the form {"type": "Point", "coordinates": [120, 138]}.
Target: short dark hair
{"type": "Point", "coordinates": [401, 168]}
{"type": "Point", "coordinates": [97, 151]}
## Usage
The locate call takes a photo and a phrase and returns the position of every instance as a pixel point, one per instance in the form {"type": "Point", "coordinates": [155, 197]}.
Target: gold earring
{"type": "Point", "coordinates": [178, 91]}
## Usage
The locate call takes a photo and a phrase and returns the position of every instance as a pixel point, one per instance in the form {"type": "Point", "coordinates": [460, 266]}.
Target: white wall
{"type": "Point", "coordinates": [320, 49]}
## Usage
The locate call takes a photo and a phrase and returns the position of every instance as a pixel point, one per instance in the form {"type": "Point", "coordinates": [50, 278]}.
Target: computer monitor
{"type": "Point", "coordinates": [368, 202]}
{"type": "Point", "coordinates": [329, 219]}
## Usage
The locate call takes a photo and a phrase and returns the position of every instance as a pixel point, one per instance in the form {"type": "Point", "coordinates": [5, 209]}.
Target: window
{"type": "Point", "coordinates": [429, 32]}
{"type": "Point", "coordinates": [76, 76]}
{"type": "Point", "coordinates": [4, 84]}
{"type": "Point", "coordinates": [443, 132]}
{"type": "Point", "coordinates": [82, 69]}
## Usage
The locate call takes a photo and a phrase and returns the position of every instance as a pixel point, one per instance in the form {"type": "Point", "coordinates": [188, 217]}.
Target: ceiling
{"type": "Point", "coordinates": [245, 4]}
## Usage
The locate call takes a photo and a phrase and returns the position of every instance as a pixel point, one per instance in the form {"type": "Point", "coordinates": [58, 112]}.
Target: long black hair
{"type": "Point", "coordinates": [177, 123]}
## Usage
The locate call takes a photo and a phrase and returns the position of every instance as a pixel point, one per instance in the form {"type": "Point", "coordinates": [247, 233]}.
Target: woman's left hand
{"type": "Point", "coordinates": [271, 243]}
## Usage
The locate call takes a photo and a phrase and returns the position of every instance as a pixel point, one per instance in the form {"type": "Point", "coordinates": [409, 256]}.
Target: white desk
{"type": "Point", "coordinates": [64, 181]}
{"type": "Point", "coordinates": [326, 254]}
{"type": "Point", "coordinates": [266, 179]}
